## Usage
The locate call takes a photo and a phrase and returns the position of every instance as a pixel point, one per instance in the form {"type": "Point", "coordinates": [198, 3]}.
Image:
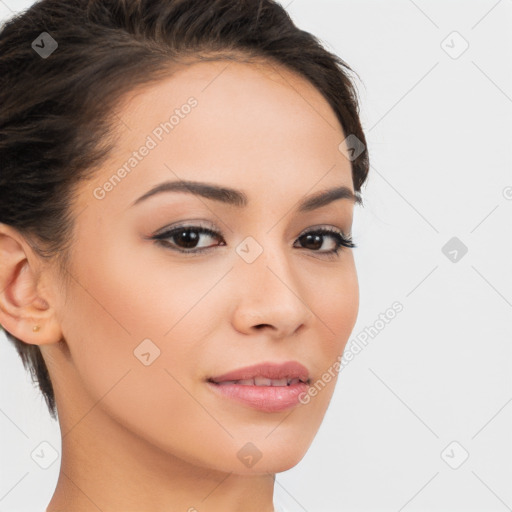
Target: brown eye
{"type": "Point", "coordinates": [186, 237]}
{"type": "Point", "coordinates": [314, 240]}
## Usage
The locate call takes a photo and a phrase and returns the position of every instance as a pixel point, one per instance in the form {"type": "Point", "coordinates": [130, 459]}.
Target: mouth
{"type": "Point", "coordinates": [261, 381]}
{"type": "Point", "coordinates": [268, 387]}
{"type": "Point", "coordinates": [266, 374]}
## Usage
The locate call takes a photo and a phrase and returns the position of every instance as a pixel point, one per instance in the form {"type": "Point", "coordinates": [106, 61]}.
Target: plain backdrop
{"type": "Point", "coordinates": [421, 419]}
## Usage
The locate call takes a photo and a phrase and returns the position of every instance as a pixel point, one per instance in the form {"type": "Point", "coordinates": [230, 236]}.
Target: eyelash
{"type": "Point", "coordinates": [341, 239]}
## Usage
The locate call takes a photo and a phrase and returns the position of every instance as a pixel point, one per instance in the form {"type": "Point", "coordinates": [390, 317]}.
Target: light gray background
{"type": "Point", "coordinates": [439, 130]}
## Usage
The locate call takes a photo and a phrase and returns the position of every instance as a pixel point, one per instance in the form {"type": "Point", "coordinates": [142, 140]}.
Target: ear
{"type": "Point", "coordinates": [24, 303]}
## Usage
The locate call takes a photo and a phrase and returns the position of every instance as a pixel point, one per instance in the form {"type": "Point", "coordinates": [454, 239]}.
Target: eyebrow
{"type": "Point", "coordinates": [239, 199]}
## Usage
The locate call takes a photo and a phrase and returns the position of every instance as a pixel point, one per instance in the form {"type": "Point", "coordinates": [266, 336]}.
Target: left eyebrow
{"type": "Point", "coordinates": [324, 197]}
{"type": "Point", "coordinates": [239, 199]}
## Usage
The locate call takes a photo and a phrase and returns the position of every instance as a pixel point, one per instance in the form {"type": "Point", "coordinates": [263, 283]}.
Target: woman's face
{"type": "Point", "coordinates": [149, 322]}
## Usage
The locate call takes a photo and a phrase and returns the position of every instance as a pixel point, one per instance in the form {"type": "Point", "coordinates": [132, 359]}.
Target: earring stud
{"type": "Point", "coordinates": [36, 328]}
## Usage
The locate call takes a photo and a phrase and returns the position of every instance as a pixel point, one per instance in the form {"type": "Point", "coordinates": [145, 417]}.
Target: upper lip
{"type": "Point", "coordinates": [288, 370]}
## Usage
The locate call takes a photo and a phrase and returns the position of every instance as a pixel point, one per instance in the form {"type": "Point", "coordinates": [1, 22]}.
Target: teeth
{"type": "Point", "coordinates": [262, 381]}
{"type": "Point", "coordinates": [227, 382]}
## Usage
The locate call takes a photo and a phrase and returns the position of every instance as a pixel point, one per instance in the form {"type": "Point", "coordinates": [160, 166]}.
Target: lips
{"type": "Point", "coordinates": [266, 374]}
{"type": "Point", "coordinates": [267, 387]}
{"type": "Point", "coordinates": [262, 381]}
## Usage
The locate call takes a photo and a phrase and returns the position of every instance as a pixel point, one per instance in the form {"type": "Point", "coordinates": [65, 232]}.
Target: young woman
{"type": "Point", "coordinates": [177, 187]}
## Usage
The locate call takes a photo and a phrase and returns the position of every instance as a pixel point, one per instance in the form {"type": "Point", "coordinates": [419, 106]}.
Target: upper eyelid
{"type": "Point", "coordinates": [217, 232]}
{"type": "Point", "coordinates": [209, 225]}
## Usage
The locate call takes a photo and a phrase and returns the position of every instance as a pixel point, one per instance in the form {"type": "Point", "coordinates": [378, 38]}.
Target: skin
{"type": "Point", "coordinates": [155, 437]}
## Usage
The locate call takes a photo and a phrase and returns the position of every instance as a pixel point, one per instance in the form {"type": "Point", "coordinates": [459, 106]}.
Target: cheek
{"type": "Point", "coordinates": [337, 308]}
{"type": "Point", "coordinates": [117, 306]}
{"type": "Point", "coordinates": [335, 301]}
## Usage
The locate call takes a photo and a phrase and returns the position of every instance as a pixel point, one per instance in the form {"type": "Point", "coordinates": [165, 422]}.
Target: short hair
{"type": "Point", "coordinates": [57, 112]}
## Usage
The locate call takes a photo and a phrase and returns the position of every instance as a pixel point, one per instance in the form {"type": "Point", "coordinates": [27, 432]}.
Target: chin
{"type": "Point", "coordinates": [276, 463]}
{"type": "Point", "coordinates": [277, 456]}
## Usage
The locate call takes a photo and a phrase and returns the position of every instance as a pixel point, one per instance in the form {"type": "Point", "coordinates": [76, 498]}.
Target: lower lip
{"type": "Point", "coordinates": [263, 398]}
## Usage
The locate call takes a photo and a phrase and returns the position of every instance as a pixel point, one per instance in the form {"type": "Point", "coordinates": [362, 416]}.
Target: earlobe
{"type": "Point", "coordinates": [24, 313]}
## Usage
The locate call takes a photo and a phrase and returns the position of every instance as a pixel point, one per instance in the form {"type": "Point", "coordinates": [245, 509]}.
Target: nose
{"type": "Point", "coordinates": [269, 296]}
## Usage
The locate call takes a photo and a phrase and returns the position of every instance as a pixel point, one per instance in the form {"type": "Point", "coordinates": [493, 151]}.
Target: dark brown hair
{"type": "Point", "coordinates": [57, 111]}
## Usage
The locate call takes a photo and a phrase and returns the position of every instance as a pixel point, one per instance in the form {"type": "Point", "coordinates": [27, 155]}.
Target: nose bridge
{"type": "Point", "coordinates": [269, 292]}
{"type": "Point", "coordinates": [264, 261]}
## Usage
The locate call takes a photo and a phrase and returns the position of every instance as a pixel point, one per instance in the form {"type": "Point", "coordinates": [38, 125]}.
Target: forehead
{"type": "Point", "coordinates": [221, 85]}
{"type": "Point", "coordinates": [253, 126]}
